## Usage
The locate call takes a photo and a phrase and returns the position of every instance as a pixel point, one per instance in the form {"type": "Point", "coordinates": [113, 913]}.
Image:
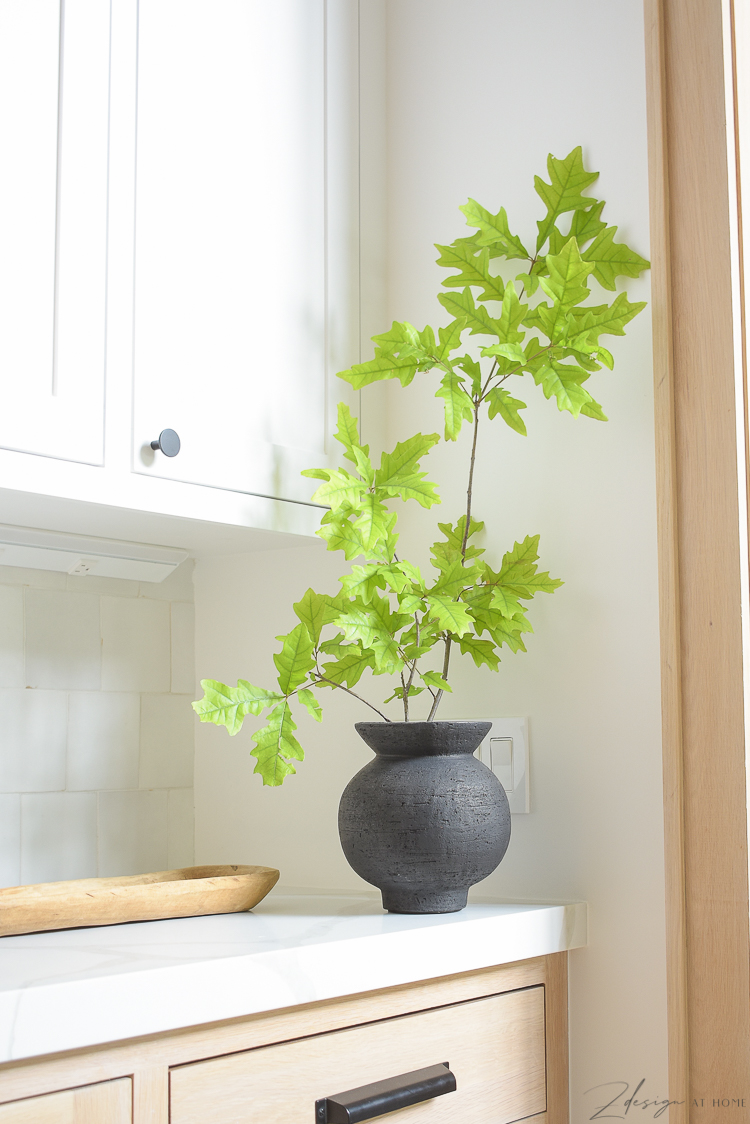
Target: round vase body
{"type": "Point", "coordinates": [425, 820]}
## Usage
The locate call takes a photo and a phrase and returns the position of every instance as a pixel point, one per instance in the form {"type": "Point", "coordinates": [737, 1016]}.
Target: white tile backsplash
{"type": "Point", "coordinates": [63, 643]}
{"type": "Point", "coordinates": [96, 728]}
{"type": "Point", "coordinates": [103, 740]}
{"type": "Point", "coordinates": [58, 836]}
{"type": "Point", "coordinates": [11, 636]}
{"type": "Point", "coordinates": [10, 839]}
{"type": "Point", "coordinates": [32, 740]}
{"type": "Point", "coordinates": [183, 647]}
{"type": "Point", "coordinates": [181, 828]}
{"type": "Point", "coordinates": [133, 832]}
{"type": "Point", "coordinates": [136, 652]}
{"type": "Point", "coordinates": [167, 741]}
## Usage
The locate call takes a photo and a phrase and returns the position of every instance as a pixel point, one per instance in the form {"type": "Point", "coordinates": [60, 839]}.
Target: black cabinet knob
{"type": "Point", "coordinates": [169, 443]}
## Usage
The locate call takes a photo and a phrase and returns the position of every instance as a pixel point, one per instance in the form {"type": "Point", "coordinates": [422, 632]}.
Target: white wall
{"type": "Point", "coordinates": [478, 92]}
{"type": "Point", "coordinates": [96, 731]}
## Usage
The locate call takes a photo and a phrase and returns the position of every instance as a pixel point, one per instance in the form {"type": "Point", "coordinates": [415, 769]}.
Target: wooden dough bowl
{"type": "Point", "coordinates": [190, 892]}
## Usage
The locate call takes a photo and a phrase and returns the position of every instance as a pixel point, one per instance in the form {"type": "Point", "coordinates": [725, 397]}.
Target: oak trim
{"type": "Point", "coordinates": [708, 942]}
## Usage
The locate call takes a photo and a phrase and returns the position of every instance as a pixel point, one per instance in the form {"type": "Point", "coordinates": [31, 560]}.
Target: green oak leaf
{"type": "Point", "coordinates": [478, 319]}
{"type": "Point", "coordinates": [613, 259]}
{"type": "Point", "coordinates": [340, 488]}
{"type": "Point", "coordinates": [563, 381]}
{"type": "Point", "coordinates": [308, 700]}
{"type": "Point", "coordinates": [315, 610]}
{"type": "Point", "coordinates": [471, 368]}
{"type": "Point", "coordinates": [568, 178]}
{"type": "Point", "coordinates": [364, 581]}
{"type": "Point", "coordinates": [275, 745]}
{"type": "Point", "coordinates": [450, 338]}
{"type": "Point", "coordinates": [457, 404]}
{"type": "Point", "coordinates": [481, 651]}
{"type": "Point", "coordinates": [348, 670]}
{"type": "Point", "coordinates": [435, 679]}
{"type": "Point", "coordinates": [373, 524]}
{"type": "Point", "coordinates": [347, 433]}
{"type": "Point", "coordinates": [451, 615]}
{"type": "Point", "coordinates": [229, 706]}
{"type": "Point", "coordinates": [518, 571]}
{"type": "Point", "coordinates": [339, 532]}
{"type": "Point", "coordinates": [500, 402]}
{"type": "Point", "coordinates": [567, 275]}
{"type": "Point", "coordinates": [474, 270]}
{"type": "Point", "coordinates": [295, 659]}
{"type": "Point", "coordinates": [399, 692]}
{"type": "Point", "coordinates": [593, 321]}
{"type": "Point", "coordinates": [454, 578]}
{"type": "Point", "coordinates": [584, 226]}
{"type": "Point", "coordinates": [494, 230]}
{"type": "Point", "coordinates": [399, 473]}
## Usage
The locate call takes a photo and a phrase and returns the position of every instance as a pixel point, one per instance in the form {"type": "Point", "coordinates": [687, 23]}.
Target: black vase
{"type": "Point", "coordinates": [425, 820]}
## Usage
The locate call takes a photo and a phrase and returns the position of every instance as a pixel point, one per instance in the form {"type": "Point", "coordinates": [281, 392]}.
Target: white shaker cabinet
{"type": "Point", "coordinates": [179, 249]}
{"type": "Point", "coordinates": [54, 83]}
{"type": "Point", "coordinates": [244, 196]}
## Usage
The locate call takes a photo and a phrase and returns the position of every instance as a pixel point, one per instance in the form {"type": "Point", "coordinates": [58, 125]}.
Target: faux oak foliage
{"type": "Point", "coordinates": [387, 617]}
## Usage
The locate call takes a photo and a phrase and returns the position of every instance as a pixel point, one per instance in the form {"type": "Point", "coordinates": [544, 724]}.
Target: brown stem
{"type": "Point", "coordinates": [439, 695]}
{"type": "Point", "coordinates": [471, 482]}
{"type": "Point", "coordinates": [405, 697]}
{"type": "Point", "coordinates": [341, 687]}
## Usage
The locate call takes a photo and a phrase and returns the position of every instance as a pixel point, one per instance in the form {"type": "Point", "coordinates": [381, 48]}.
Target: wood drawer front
{"type": "Point", "coordinates": [495, 1047]}
{"type": "Point", "coordinates": [110, 1102]}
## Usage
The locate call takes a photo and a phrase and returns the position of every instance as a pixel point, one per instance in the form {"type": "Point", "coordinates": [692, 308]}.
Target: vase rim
{"type": "Point", "coordinates": [450, 737]}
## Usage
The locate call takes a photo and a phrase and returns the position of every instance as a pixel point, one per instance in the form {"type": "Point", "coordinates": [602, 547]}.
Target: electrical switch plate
{"type": "Point", "coordinates": [505, 750]}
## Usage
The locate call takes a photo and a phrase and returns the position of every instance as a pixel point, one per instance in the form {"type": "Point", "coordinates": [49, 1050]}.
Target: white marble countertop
{"type": "Point", "coordinates": [84, 987]}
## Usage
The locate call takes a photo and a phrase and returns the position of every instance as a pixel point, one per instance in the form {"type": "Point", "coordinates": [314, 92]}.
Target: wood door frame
{"type": "Point", "coordinates": [693, 191]}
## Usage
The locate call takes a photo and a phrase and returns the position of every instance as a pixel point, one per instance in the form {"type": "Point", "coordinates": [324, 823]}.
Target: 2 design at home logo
{"type": "Point", "coordinates": [619, 1102]}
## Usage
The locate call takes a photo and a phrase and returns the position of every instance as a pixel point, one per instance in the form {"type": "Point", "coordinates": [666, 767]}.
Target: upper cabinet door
{"type": "Point", "coordinates": [54, 81]}
{"type": "Point", "coordinates": [245, 237]}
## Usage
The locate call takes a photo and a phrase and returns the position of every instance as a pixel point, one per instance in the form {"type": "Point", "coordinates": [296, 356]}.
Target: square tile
{"type": "Point", "coordinates": [10, 840]}
{"type": "Point", "coordinates": [58, 836]}
{"type": "Point", "coordinates": [167, 741]}
{"type": "Point", "coordinates": [63, 645]}
{"type": "Point", "coordinates": [37, 579]}
{"type": "Point", "coordinates": [133, 832]}
{"type": "Point", "coordinates": [181, 828]}
{"type": "Point", "coordinates": [32, 740]}
{"type": "Point", "coordinates": [110, 587]}
{"type": "Point", "coordinates": [103, 740]}
{"type": "Point", "coordinates": [11, 636]}
{"type": "Point", "coordinates": [183, 647]}
{"type": "Point", "coordinates": [135, 645]}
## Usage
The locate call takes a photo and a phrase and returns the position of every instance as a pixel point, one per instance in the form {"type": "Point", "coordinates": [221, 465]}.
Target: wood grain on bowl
{"type": "Point", "coordinates": [190, 892]}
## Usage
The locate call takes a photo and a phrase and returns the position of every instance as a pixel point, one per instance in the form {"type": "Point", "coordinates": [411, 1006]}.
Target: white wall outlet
{"type": "Point", "coordinates": [505, 750]}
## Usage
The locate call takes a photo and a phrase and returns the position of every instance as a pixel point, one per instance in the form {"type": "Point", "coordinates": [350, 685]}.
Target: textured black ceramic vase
{"type": "Point", "coordinates": [425, 820]}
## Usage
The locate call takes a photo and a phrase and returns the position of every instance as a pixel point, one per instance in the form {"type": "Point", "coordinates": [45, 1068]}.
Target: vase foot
{"type": "Point", "coordinates": [411, 900]}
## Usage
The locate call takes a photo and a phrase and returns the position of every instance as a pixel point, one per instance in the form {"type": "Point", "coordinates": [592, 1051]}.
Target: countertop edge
{"type": "Point", "coordinates": [57, 1017]}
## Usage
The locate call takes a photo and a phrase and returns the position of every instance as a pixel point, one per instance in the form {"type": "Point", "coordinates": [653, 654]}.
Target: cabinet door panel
{"type": "Point", "coordinates": [107, 1103]}
{"type": "Point", "coordinates": [54, 79]}
{"type": "Point", "coordinates": [230, 274]}
{"type": "Point", "coordinates": [495, 1048]}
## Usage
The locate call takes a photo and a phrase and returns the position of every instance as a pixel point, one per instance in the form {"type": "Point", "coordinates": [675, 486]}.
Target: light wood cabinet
{"type": "Point", "coordinates": [109, 1102]}
{"type": "Point", "coordinates": [502, 1030]}
{"type": "Point", "coordinates": [494, 1046]}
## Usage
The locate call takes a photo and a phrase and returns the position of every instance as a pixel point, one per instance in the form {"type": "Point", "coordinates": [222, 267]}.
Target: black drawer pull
{"type": "Point", "coordinates": [374, 1100]}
